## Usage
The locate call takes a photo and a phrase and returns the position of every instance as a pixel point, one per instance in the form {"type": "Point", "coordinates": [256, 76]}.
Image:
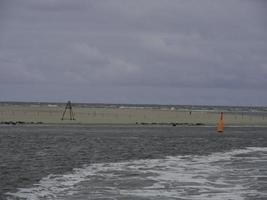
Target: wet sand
{"type": "Point", "coordinates": [89, 115]}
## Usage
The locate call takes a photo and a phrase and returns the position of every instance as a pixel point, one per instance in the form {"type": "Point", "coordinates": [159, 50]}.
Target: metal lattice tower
{"type": "Point", "coordinates": [68, 107]}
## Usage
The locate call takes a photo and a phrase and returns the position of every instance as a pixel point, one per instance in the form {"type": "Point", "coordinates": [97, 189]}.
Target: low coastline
{"type": "Point", "coordinates": [52, 114]}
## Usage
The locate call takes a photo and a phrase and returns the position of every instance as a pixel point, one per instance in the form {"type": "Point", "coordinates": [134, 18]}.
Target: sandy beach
{"type": "Point", "coordinates": [52, 114]}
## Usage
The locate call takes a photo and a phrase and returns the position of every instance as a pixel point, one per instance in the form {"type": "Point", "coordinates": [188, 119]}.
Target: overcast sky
{"type": "Point", "coordinates": [211, 52]}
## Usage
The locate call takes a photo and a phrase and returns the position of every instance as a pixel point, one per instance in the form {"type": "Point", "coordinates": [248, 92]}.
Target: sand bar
{"type": "Point", "coordinates": [96, 115]}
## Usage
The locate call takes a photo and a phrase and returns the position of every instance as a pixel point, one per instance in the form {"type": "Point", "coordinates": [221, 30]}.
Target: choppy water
{"type": "Point", "coordinates": [133, 163]}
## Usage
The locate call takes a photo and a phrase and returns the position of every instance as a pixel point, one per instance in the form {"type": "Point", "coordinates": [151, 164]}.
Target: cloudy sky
{"type": "Point", "coordinates": [210, 52]}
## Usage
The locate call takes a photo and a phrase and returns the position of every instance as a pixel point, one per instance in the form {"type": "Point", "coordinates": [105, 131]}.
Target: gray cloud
{"type": "Point", "coordinates": [202, 48]}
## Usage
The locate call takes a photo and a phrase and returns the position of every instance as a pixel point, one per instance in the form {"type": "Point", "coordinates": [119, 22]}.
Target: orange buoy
{"type": "Point", "coordinates": [220, 125]}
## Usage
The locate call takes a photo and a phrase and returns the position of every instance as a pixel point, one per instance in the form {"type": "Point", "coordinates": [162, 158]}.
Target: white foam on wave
{"type": "Point", "coordinates": [227, 175]}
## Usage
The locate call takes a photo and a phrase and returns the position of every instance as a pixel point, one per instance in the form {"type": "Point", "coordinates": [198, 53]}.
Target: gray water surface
{"type": "Point", "coordinates": [132, 162]}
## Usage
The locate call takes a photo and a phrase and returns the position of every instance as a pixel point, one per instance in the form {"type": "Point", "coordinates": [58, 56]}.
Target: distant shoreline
{"type": "Point", "coordinates": [173, 116]}
{"type": "Point", "coordinates": [145, 105]}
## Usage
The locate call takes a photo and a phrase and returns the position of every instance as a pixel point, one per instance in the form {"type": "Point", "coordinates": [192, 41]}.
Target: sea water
{"type": "Point", "coordinates": [121, 162]}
